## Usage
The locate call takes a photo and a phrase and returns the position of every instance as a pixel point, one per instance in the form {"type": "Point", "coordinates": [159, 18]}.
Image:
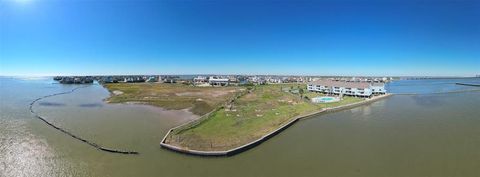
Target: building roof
{"type": "Point", "coordinates": [218, 80]}
{"type": "Point", "coordinates": [330, 83]}
{"type": "Point", "coordinates": [375, 84]}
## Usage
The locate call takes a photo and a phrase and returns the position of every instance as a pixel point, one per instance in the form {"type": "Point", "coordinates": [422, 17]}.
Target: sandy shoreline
{"type": "Point", "coordinates": [185, 114]}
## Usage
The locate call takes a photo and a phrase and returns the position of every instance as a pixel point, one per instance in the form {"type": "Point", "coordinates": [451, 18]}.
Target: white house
{"type": "Point", "coordinates": [199, 80]}
{"type": "Point", "coordinates": [363, 89]}
{"type": "Point", "coordinates": [217, 81]}
{"type": "Point", "coordinates": [378, 88]}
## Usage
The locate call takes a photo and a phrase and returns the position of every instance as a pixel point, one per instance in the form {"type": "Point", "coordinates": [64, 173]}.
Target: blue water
{"type": "Point", "coordinates": [429, 86]}
{"type": "Point", "coordinates": [326, 98]}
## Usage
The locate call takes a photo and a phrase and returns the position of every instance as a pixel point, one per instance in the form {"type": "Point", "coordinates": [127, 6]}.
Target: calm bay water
{"type": "Point", "coordinates": [404, 135]}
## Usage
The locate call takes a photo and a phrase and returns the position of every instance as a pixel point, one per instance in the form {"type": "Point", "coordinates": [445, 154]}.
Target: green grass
{"type": "Point", "coordinates": [311, 95]}
{"type": "Point", "coordinates": [345, 100]}
{"type": "Point", "coordinates": [257, 114]}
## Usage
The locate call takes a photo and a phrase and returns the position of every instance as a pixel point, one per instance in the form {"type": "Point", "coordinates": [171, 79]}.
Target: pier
{"type": "Point", "coordinates": [468, 84]}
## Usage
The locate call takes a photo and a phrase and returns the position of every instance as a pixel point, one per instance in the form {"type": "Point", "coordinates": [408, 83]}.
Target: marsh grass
{"type": "Point", "coordinates": [199, 100]}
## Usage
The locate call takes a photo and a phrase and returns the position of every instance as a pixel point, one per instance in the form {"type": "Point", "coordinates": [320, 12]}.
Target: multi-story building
{"type": "Point", "coordinates": [200, 80]}
{"type": "Point", "coordinates": [378, 88]}
{"type": "Point", "coordinates": [218, 81]}
{"type": "Point", "coordinates": [362, 89]}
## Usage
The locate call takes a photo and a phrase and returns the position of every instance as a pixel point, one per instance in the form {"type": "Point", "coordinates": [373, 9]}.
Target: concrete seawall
{"type": "Point", "coordinates": [263, 138]}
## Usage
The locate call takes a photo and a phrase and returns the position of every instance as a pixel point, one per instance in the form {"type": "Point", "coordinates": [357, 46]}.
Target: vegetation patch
{"type": "Point", "coordinates": [238, 115]}
{"type": "Point", "coordinates": [249, 117]}
{"type": "Point", "coordinates": [199, 100]}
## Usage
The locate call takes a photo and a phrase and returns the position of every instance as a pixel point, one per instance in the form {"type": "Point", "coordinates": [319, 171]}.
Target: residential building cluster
{"type": "Point", "coordinates": [350, 88]}
{"type": "Point", "coordinates": [74, 79]}
{"type": "Point", "coordinates": [357, 86]}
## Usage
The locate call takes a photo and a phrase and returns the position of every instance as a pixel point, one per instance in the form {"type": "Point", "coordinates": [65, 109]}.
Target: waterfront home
{"type": "Point", "coordinates": [152, 79]}
{"type": "Point", "coordinates": [233, 79]}
{"type": "Point", "coordinates": [272, 80]}
{"type": "Point", "coordinates": [75, 80]}
{"type": "Point", "coordinates": [200, 80]}
{"type": "Point", "coordinates": [218, 81]}
{"type": "Point", "coordinates": [378, 88]}
{"type": "Point", "coordinates": [107, 79]}
{"type": "Point", "coordinates": [170, 79]}
{"type": "Point", "coordinates": [361, 89]}
{"type": "Point", "coordinates": [257, 80]}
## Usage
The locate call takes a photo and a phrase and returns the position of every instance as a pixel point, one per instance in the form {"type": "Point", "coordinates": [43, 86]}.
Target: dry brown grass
{"type": "Point", "coordinates": [199, 100]}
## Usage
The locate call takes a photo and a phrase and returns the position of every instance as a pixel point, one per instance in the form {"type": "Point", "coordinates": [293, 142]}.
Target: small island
{"type": "Point", "coordinates": [232, 118]}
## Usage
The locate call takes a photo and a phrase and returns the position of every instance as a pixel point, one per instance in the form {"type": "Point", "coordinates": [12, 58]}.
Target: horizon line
{"type": "Point", "coordinates": [202, 74]}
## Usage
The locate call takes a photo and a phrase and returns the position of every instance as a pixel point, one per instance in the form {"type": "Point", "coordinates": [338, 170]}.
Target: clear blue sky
{"type": "Point", "coordinates": [309, 37]}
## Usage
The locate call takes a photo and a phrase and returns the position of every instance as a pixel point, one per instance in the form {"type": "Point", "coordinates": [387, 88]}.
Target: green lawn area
{"type": "Point", "coordinates": [198, 100]}
{"type": "Point", "coordinates": [248, 118]}
{"type": "Point", "coordinates": [345, 100]}
{"type": "Point", "coordinates": [313, 94]}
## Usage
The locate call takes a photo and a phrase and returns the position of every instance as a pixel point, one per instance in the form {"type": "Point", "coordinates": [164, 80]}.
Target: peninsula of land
{"type": "Point", "coordinates": [236, 117]}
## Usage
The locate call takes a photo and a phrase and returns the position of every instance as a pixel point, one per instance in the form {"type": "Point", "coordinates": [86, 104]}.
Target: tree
{"type": "Point", "coordinates": [301, 92]}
